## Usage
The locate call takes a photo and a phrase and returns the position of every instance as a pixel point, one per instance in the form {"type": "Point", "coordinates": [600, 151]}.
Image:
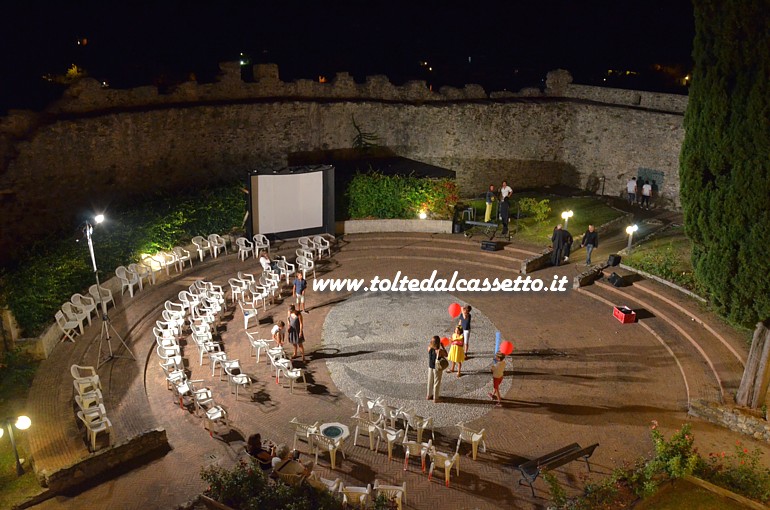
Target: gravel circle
{"type": "Point", "coordinates": [377, 343]}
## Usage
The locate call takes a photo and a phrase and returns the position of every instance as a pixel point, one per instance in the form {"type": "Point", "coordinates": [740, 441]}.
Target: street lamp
{"type": "Point", "coordinates": [630, 231]}
{"type": "Point", "coordinates": [106, 324]}
{"type": "Point", "coordinates": [22, 423]}
{"type": "Point", "coordinates": [566, 215]}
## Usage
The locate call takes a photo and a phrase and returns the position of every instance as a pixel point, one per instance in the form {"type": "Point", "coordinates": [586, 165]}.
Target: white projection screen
{"type": "Point", "coordinates": [292, 202]}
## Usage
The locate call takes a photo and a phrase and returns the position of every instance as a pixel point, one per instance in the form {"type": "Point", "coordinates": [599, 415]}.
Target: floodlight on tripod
{"type": "Point", "coordinates": [106, 323]}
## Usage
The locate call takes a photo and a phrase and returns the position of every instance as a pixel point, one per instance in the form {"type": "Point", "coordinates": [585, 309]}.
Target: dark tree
{"type": "Point", "coordinates": [725, 160]}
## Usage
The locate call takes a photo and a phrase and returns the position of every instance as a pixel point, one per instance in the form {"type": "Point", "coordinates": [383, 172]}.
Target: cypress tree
{"type": "Point", "coordinates": [725, 159]}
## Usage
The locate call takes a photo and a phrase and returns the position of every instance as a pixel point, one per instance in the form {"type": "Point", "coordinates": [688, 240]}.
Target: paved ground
{"type": "Point", "coordinates": [576, 375]}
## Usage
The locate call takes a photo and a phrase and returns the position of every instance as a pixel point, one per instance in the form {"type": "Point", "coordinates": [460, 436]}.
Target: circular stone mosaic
{"type": "Point", "coordinates": [378, 344]}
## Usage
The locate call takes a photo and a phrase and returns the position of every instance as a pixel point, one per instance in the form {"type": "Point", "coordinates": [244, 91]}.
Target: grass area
{"type": "Point", "coordinates": [16, 374]}
{"type": "Point", "coordinates": [588, 210]}
{"type": "Point", "coordinates": [682, 495]}
{"type": "Point", "coordinates": [666, 255]}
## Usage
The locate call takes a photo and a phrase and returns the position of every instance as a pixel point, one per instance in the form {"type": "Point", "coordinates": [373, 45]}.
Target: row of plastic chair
{"type": "Point", "coordinates": [360, 497]}
{"type": "Point", "coordinates": [318, 245]}
{"type": "Point", "coordinates": [167, 332]}
{"type": "Point", "coordinates": [71, 317]}
{"type": "Point", "coordinates": [248, 248]}
{"type": "Point", "coordinates": [90, 402]}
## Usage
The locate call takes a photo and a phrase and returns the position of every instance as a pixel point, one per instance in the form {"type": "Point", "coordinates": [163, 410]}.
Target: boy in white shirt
{"type": "Point", "coordinates": [498, 370]}
{"type": "Point", "coordinates": [278, 332]}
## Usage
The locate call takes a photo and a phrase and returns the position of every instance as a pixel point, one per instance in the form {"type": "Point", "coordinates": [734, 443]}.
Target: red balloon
{"type": "Point", "coordinates": [506, 347]}
{"type": "Point", "coordinates": [445, 341]}
{"type": "Point", "coordinates": [454, 310]}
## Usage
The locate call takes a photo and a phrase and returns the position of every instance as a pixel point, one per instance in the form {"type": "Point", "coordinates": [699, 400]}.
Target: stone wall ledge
{"type": "Point", "coordinates": [394, 225]}
{"type": "Point", "coordinates": [532, 264]}
{"type": "Point", "coordinates": [733, 418]}
{"type": "Point", "coordinates": [103, 460]}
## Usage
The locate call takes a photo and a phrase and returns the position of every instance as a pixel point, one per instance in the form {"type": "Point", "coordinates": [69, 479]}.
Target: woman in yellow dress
{"type": "Point", "coordinates": [457, 351]}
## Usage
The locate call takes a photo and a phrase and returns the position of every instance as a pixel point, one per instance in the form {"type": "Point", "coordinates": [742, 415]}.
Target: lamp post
{"type": "Point", "coordinates": [22, 423]}
{"type": "Point", "coordinates": [566, 215]}
{"type": "Point", "coordinates": [630, 231]}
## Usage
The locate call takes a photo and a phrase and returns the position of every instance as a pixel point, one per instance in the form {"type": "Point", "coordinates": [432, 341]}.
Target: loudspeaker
{"type": "Point", "coordinates": [490, 246]}
{"type": "Point", "coordinates": [614, 260]}
{"type": "Point", "coordinates": [616, 280]}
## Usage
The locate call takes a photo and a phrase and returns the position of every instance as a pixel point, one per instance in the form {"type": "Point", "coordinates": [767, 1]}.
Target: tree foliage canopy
{"type": "Point", "coordinates": [725, 161]}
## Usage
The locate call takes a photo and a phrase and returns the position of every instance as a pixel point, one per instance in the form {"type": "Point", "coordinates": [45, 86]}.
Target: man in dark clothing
{"type": "Point", "coordinates": [567, 244]}
{"type": "Point", "coordinates": [590, 241]}
{"type": "Point", "coordinates": [558, 241]}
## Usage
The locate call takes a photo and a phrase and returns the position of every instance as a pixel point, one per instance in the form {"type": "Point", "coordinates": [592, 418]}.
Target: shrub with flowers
{"type": "Point", "coordinates": [740, 472]}
{"type": "Point", "coordinates": [675, 457]}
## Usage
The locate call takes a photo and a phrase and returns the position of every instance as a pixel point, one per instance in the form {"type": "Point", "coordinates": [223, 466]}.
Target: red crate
{"type": "Point", "coordinates": [624, 314]}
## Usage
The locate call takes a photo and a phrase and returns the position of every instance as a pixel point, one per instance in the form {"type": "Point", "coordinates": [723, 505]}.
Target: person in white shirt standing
{"type": "Point", "coordinates": [505, 196]}
{"type": "Point", "coordinates": [498, 370]}
{"type": "Point", "coordinates": [646, 194]}
{"type": "Point", "coordinates": [631, 189]}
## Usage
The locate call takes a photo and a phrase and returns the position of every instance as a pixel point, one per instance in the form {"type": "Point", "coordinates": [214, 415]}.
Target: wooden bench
{"type": "Point", "coordinates": [531, 469]}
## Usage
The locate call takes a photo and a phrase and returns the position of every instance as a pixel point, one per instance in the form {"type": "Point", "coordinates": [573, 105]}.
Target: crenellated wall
{"type": "Point", "coordinates": [118, 144]}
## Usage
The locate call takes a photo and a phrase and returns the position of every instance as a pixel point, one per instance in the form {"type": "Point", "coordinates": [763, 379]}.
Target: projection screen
{"type": "Point", "coordinates": [292, 202]}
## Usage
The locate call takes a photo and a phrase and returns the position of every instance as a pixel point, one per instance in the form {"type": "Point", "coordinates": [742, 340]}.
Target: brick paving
{"type": "Point", "coordinates": [578, 375]}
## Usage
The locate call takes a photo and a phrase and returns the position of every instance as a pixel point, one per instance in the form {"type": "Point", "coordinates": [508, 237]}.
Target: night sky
{"type": "Point", "coordinates": [510, 44]}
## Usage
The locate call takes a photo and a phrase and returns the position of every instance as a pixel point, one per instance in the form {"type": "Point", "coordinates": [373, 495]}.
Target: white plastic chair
{"type": "Point", "coordinates": [445, 462]}
{"type": "Point", "coordinates": [285, 268]}
{"type": "Point", "coordinates": [245, 248]}
{"type": "Point", "coordinates": [366, 427]}
{"type": "Point", "coordinates": [181, 255]}
{"type": "Point", "coordinates": [105, 298]}
{"type": "Point", "coordinates": [413, 449]}
{"type": "Point", "coordinates": [471, 436]}
{"type": "Point", "coordinates": [325, 444]}
{"type": "Point", "coordinates": [236, 289]}
{"type": "Point", "coordinates": [67, 326]}
{"type": "Point", "coordinates": [304, 264]}
{"type": "Point", "coordinates": [202, 245]}
{"type": "Point", "coordinates": [94, 427]}
{"type": "Point", "coordinates": [261, 242]}
{"type": "Point", "coordinates": [142, 272]}
{"type": "Point", "coordinates": [367, 405]}
{"type": "Point", "coordinates": [322, 245]}
{"type": "Point", "coordinates": [257, 344]}
{"type": "Point", "coordinates": [395, 493]}
{"type": "Point", "coordinates": [218, 244]}
{"type": "Point", "coordinates": [306, 243]}
{"type": "Point", "coordinates": [259, 293]}
{"type": "Point", "coordinates": [356, 497]}
{"type": "Point", "coordinates": [303, 431]}
{"type": "Point", "coordinates": [293, 374]}
{"type": "Point", "coordinates": [73, 314]}
{"type": "Point", "coordinates": [85, 379]}
{"type": "Point", "coordinates": [85, 304]}
{"type": "Point", "coordinates": [389, 436]}
{"type": "Point", "coordinates": [236, 377]}
{"type": "Point", "coordinates": [215, 414]}
{"type": "Point", "coordinates": [127, 280]}
{"type": "Point", "coordinates": [419, 424]}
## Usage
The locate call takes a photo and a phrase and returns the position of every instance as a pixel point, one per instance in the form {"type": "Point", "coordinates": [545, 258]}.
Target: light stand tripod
{"type": "Point", "coordinates": [106, 323]}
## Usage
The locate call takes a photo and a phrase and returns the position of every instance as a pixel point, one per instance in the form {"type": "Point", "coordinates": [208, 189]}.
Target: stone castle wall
{"type": "Point", "coordinates": [118, 144]}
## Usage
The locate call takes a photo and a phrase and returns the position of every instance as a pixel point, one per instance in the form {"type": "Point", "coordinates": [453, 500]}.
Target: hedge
{"type": "Point", "coordinates": [374, 195]}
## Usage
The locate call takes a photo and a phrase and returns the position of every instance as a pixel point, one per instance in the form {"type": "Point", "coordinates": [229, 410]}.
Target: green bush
{"type": "Point", "coordinates": [666, 263]}
{"type": "Point", "coordinates": [538, 209]}
{"type": "Point", "coordinates": [35, 288]}
{"type": "Point", "coordinates": [740, 473]}
{"type": "Point", "coordinates": [374, 195]}
{"type": "Point", "coordinates": [245, 487]}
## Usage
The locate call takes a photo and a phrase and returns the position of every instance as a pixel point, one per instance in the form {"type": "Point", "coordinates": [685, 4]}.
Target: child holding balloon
{"type": "Point", "coordinates": [498, 370]}
{"type": "Point", "coordinates": [457, 351]}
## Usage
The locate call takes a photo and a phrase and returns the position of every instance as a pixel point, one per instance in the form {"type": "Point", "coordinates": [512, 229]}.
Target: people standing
{"type": "Point", "coordinates": [498, 370]}
{"type": "Point", "coordinates": [296, 331]}
{"type": "Point", "coordinates": [489, 199]}
{"type": "Point", "coordinates": [590, 241]}
{"type": "Point", "coordinates": [457, 351]}
{"type": "Point", "coordinates": [505, 196]}
{"type": "Point", "coordinates": [465, 322]}
{"type": "Point", "coordinates": [435, 354]}
{"type": "Point", "coordinates": [300, 285]}
{"type": "Point", "coordinates": [278, 333]}
{"type": "Point", "coordinates": [558, 240]}
{"type": "Point", "coordinates": [646, 194]}
{"type": "Point", "coordinates": [631, 190]}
